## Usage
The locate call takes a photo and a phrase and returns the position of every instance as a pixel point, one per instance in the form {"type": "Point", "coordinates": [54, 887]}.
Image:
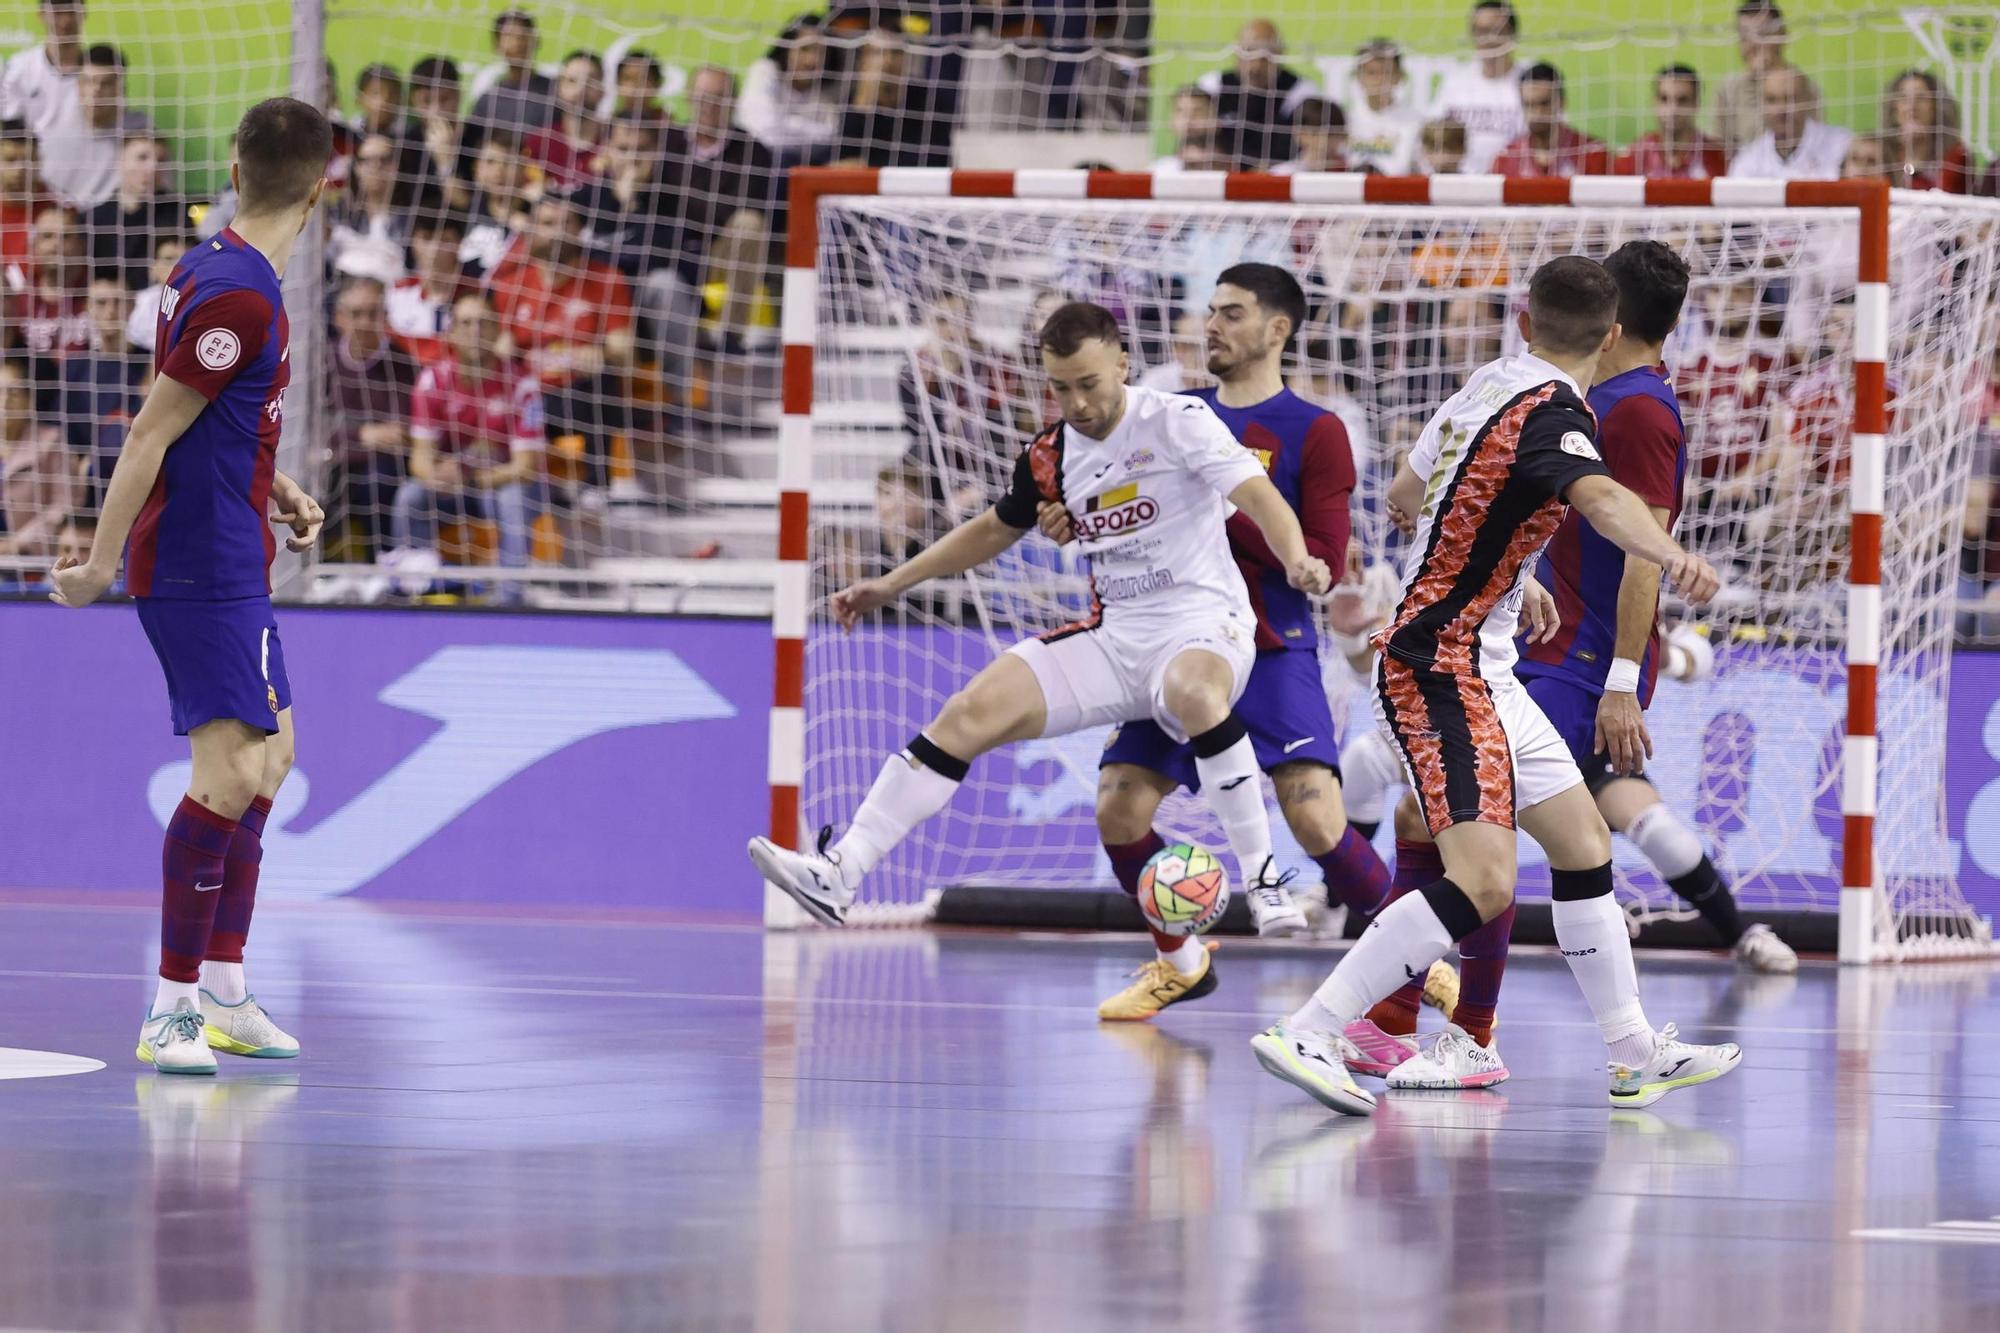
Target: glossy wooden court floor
{"type": "Point", "coordinates": [512, 1123]}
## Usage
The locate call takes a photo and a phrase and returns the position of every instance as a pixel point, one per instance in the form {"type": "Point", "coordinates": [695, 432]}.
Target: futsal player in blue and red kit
{"type": "Point", "coordinates": [1252, 318]}
{"type": "Point", "coordinates": [196, 490]}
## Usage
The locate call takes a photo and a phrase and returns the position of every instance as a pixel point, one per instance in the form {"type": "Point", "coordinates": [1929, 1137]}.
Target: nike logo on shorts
{"type": "Point", "coordinates": [1296, 744]}
{"type": "Point", "coordinates": [206, 888]}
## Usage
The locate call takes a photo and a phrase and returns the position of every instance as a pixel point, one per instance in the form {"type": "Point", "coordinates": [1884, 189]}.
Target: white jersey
{"type": "Point", "coordinates": [1388, 140]}
{"type": "Point", "coordinates": [1490, 110]}
{"type": "Point", "coordinates": [1148, 503]}
{"type": "Point", "coordinates": [1495, 461]}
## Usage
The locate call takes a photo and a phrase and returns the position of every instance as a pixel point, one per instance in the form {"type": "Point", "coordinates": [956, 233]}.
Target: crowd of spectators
{"type": "Point", "coordinates": [611, 251]}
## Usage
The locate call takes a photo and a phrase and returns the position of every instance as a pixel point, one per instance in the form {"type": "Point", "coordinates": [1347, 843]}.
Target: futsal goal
{"type": "Point", "coordinates": [1829, 363]}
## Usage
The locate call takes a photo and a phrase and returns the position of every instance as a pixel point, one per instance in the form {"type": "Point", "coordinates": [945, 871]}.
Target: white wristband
{"type": "Point", "coordinates": [1623, 678]}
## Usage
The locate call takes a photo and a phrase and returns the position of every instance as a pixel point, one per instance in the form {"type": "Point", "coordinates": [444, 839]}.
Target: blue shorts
{"type": "Point", "coordinates": [1572, 711]}
{"type": "Point", "coordinates": [1284, 707]}
{"type": "Point", "coordinates": [222, 659]}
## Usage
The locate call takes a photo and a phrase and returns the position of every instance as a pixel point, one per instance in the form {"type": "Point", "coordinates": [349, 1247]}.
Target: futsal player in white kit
{"type": "Point", "coordinates": [1148, 478]}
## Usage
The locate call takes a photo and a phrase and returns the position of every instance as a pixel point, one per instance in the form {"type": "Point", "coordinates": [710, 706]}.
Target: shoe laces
{"type": "Point", "coordinates": [184, 1024]}
{"type": "Point", "coordinates": [1269, 889]}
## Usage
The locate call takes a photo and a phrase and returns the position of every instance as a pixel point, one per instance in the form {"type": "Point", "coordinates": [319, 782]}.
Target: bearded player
{"type": "Point", "coordinates": [194, 483]}
{"type": "Point", "coordinates": [1150, 477]}
{"type": "Point", "coordinates": [1252, 319]}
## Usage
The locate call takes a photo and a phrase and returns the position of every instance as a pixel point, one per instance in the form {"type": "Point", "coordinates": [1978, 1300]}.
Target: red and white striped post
{"type": "Point", "coordinates": [1858, 898]}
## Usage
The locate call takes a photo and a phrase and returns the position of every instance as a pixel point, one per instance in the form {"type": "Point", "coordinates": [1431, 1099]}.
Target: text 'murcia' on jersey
{"type": "Point", "coordinates": [1306, 452]}
{"type": "Point", "coordinates": [1496, 460]}
{"type": "Point", "coordinates": [203, 534]}
{"type": "Point", "coordinates": [1639, 433]}
{"type": "Point", "coordinates": [1147, 503]}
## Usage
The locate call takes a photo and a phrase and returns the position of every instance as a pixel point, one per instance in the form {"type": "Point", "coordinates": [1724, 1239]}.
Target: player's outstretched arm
{"type": "Point", "coordinates": [1267, 508]}
{"type": "Point", "coordinates": [1626, 521]}
{"type": "Point", "coordinates": [967, 546]}
{"type": "Point", "coordinates": [170, 408]}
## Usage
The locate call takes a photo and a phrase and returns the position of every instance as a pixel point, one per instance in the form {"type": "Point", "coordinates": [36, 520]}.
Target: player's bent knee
{"type": "Point", "coordinates": [1317, 821]}
{"type": "Point", "coordinates": [1570, 830]}
{"type": "Point", "coordinates": [1125, 807]}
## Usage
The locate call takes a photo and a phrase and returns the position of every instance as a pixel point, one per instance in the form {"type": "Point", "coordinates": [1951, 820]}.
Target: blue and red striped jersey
{"type": "Point", "coordinates": [1306, 452]}
{"type": "Point", "coordinates": [203, 534]}
{"type": "Point", "coordinates": [1640, 435]}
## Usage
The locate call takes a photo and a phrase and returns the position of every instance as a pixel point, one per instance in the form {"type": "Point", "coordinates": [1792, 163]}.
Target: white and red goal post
{"type": "Point", "coordinates": [1868, 927]}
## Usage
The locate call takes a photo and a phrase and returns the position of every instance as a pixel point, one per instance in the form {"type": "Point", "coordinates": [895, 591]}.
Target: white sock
{"type": "Point", "coordinates": [1592, 935]}
{"type": "Point", "coordinates": [905, 794]}
{"type": "Point", "coordinates": [224, 981]}
{"type": "Point", "coordinates": [1400, 945]}
{"type": "Point", "coordinates": [1234, 786]}
{"type": "Point", "coordinates": [170, 993]}
{"type": "Point", "coordinates": [1672, 847]}
{"type": "Point", "coordinates": [1186, 958]}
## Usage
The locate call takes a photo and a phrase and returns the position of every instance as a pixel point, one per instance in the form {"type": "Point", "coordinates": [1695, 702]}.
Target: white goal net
{"type": "Point", "coordinates": [931, 303]}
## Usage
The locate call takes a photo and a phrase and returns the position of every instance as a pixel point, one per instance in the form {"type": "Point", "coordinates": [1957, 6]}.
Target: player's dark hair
{"type": "Point", "coordinates": [103, 55]}
{"type": "Point", "coordinates": [1075, 324]}
{"type": "Point", "coordinates": [655, 74]}
{"type": "Point", "coordinates": [1277, 292]}
{"type": "Point", "coordinates": [506, 16]}
{"type": "Point", "coordinates": [1513, 19]}
{"type": "Point", "coordinates": [434, 72]}
{"type": "Point", "coordinates": [1543, 72]}
{"type": "Point", "coordinates": [1652, 286]}
{"type": "Point", "coordinates": [378, 73]}
{"type": "Point", "coordinates": [433, 221]}
{"type": "Point", "coordinates": [282, 147]}
{"type": "Point", "coordinates": [1572, 303]}
{"type": "Point", "coordinates": [1678, 71]}
{"type": "Point", "coordinates": [1319, 113]}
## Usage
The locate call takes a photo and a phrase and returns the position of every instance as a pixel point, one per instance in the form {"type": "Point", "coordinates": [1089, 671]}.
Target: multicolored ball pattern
{"type": "Point", "coordinates": [1183, 889]}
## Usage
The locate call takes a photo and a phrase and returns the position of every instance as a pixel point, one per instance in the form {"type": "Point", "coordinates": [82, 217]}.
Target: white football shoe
{"type": "Point", "coordinates": [1272, 906]}
{"type": "Point", "coordinates": [813, 881]}
{"type": "Point", "coordinates": [245, 1029]}
{"type": "Point", "coordinates": [1674, 1064]}
{"type": "Point", "coordinates": [1761, 950]}
{"type": "Point", "coordinates": [1448, 1062]}
{"type": "Point", "coordinates": [173, 1042]}
{"type": "Point", "coordinates": [1316, 1064]}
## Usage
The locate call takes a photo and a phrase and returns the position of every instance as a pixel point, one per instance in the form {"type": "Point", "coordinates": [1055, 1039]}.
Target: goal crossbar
{"type": "Point", "coordinates": [1860, 878]}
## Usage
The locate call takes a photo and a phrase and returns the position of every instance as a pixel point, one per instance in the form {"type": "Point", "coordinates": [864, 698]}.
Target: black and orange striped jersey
{"type": "Point", "coordinates": [1496, 461]}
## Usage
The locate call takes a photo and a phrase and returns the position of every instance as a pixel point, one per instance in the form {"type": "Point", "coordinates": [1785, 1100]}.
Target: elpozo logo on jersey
{"type": "Point", "coordinates": [1117, 512]}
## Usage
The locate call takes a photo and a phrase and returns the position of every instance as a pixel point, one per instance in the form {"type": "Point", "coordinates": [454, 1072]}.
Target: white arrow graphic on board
{"type": "Point", "coordinates": [504, 709]}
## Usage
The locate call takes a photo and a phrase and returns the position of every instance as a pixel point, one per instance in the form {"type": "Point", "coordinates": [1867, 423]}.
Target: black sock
{"type": "Point", "coordinates": [1704, 891]}
{"type": "Point", "coordinates": [1364, 827]}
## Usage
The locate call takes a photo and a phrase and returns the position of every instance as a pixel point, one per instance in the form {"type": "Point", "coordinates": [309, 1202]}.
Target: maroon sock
{"type": "Point", "coordinates": [1127, 860]}
{"type": "Point", "coordinates": [1417, 864]}
{"type": "Point", "coordinates": [239, 885]}
{"type": "Point", "coordinates": [191, 869]}
{"type": "Point", "coordinates": [1482, 961]}
{"type": "Point", "coordinates": [1355, 876]}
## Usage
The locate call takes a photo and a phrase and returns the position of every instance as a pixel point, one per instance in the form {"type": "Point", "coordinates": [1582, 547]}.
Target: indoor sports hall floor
{"type": "Point", "coordinates": [509, 1123]}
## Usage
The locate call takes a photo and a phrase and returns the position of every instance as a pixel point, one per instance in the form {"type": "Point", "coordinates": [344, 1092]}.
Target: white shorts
{"type": "Point", "coordinates": [1095, 677]}
{"type": "Point", "coordinates": [1476, 749]}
